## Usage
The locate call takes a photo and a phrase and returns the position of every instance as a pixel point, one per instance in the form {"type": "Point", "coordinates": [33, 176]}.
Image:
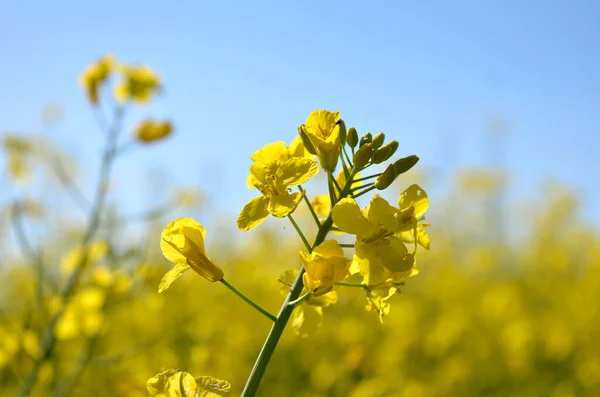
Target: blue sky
{"type": "Point", "coordinates": [241, 74]}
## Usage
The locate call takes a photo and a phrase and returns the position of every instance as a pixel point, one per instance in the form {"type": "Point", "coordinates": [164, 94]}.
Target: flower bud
{"type": "Point", "coordinates": [352, 137]}
{"type": "Point", "coordinates": [378, 140]}
{"type": "Point", "coordinates": [363, 155]}
{"type": "Point", "coordinates": [306, 140]}
{"type": "Point", "coordinates": [343, 132]}
{"type": "Point", "coordinates": [385, 180]}
{"type": "Point", "coordinates": [393, 145]}
{"type": "Point", "coordinates": [405, 164]}
{"type": "Point", "coordinates": [381, 154]}
{"type": "Point", "coordinates": [366, 138]}
{"type": "Point", "coordinates": [329, 160]}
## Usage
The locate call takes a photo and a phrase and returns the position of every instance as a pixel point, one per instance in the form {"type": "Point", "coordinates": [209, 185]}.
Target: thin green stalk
{"type": "Point", "coordinates": [344, 166]}
{"type": "Point", "coordinates": [357, 188]}
{"type": "Point", "coordinates": [343, 284]}
{"type": "Point", "coordinates": [286, 311]}
{"type": "Point", "coordinates": [49, 336]}
{"type": "Point", "coordinates": [346, 245]}
{"type": "Point", "coordinates": [310, 207]}
{"type": "Point", "coordinates": [337, 185]}
{"type": "Point", "coordinates": [300, 300]}
{"type": "Point", "coordinates": [249, 301]}
{"type": "Point", "coordinates": [368, 177]}
{"type": "Point", "coordinates": [304, 240]}
{"type": "Point", "coordinates": [345, 153]}
{"type": "Point", "coordinates": [364, 191]}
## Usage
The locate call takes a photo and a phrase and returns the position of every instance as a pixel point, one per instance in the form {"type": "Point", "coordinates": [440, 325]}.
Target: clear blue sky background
{"type": "Point", "coordinates": [241, 74]}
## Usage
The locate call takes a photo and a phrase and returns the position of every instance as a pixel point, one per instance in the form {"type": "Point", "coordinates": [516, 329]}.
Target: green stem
{"type": "Point", "coordinates": [337, 185]}
{"type": "Point", "coordinates": [286, 310]}
{"type": "Point", "coordinates": [249, 301]}
{"type": "Point", "coordinates": [346, 245]}
{"type": "Point", "coordinates": [49, 336]}
{"type": "Point", "coordinates": [304, 240]}
{"type": "Point", "coordinates": [343, 284]}
{"type": "Point", "coordinates": [310, 207]}
{"type": "Point", "coordinates": [364, 191]}
{"type": "Point", "coordinates": [300, 300]}
{"type": "Point", "coordinates": [344, 166]}
{"type": "Point", "coordinates": [332, 196]}
{"type": "Point", "coordinates": [347, 157]}
{"type": "Point", "coordinates": [368, 177]}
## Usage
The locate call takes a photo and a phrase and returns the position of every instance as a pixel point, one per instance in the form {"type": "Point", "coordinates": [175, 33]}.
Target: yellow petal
{"type": "Point", "coordinates": [297, 148]}
{"type": "Point", "coordinates": [186, 236]}
{"type": "Point", "coordinates": [211, 387]}
{"type": "Point", "coordinates": [395, 256]}
{"type": "Point", "coordinates": [172, 383]}
{"type": "Point", "coordinates": [172, 275]}
{"type": "Point", "coordinates": [349, 218]}
{"type": "Point", "coordinates": [329, 248]}
{"type": "Point", "coordinates": [282, 205]}
{"type": "Point", "coordinates": [205, 267]}
{"type": "Point", "coordinates": [275, 151]}
{"type": "Point", "coordinates": [260, 169]}
{"type": "Point", "coordinates": [416, 197]}
{"type": "Point", "coordinates": [306, 319]}
{"type": "Point", "coordinates": [422, 237]}
{"type": "Point", "coordinates": [253, 213]}
{"type": "Point", "coordinates": [380, 212]}
{"type": "Point", "coordinates": [296, 171]}
{"type": "Point", "coordinates": [322, 204]}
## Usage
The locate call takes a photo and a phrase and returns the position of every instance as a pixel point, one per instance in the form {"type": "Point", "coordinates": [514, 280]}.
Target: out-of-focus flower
{"type": "Point", "coordinates": [322, 128]}
{"type": "Point", "coordinates": [95, 75]}
{"type": "Point", "coordinates": [75, 257]}
{"type": "Point", "coordinates": [18, 153]}
{"type": "Point", "coordinates": [139, 84]}
{"type": "Point", "coordinates": [325, 266]}
{"type": "Point", "coordinates": [178, 383]}
{"type": "Point", "coordinates": [97, 251]}
{"type": "Point", "coordinates": [182, 243]}
{"type": "Point", "coordinates": [274, 179]}
{"type": "Point", "coordinates": [83, 314]}
{"type": "Point", "coordinates": [187, 198]}
{"type": "Point", "coordinates": [150, 130]}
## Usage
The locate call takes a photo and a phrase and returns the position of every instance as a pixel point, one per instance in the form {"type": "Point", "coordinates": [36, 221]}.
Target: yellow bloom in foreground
{"type": "Point", "coordinates": [308, 316]}
{"type": "Point", "coordinates": [379, 253]}
{"type": "Point", "coordinates": [177, 383]}
{"type": "Point", "coordinates": [323, 130]}
{"type": "Point", "coordinates": [139, 84]}
{"type": "Point", "coordinates": [151, 130]}
{"type": "Point", "coordinates": [95, 75]}
{"type": "Point", "coordinates": [182, 243]}
{"type": "Point", "coordinates": [278, 151]}
{"type": "Point", "coordinates": [325, 266]}
{"type": "Point", "coordinates": [274, 180]}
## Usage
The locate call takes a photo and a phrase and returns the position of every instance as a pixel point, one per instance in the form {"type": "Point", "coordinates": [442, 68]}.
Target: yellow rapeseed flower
{"type": "Point", "coordinates": [274, 179]}
{"type": "Point", "coordinates": [97, 251]}
{"type": "Point", "coordinates": [325, 266]}
{"type": "Point", "coordinates": [178, 383]}
{"type": "Point", "coordinates": [139, 84]}
{"type": "Point", "coordinates": [323, 130]}
{"type": "Point", "coordinates": [182, 243]}
{"type": "Point", "coordinates": [308, 316]}
{"type": "Point", "coordinates": [96, 74]}
{"type": "Point", "coordinates": [152, 130]}
{"type": "Point", "coordinates": [278, 151]}
{"type": "Point", "coordinates": [379, 253]}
